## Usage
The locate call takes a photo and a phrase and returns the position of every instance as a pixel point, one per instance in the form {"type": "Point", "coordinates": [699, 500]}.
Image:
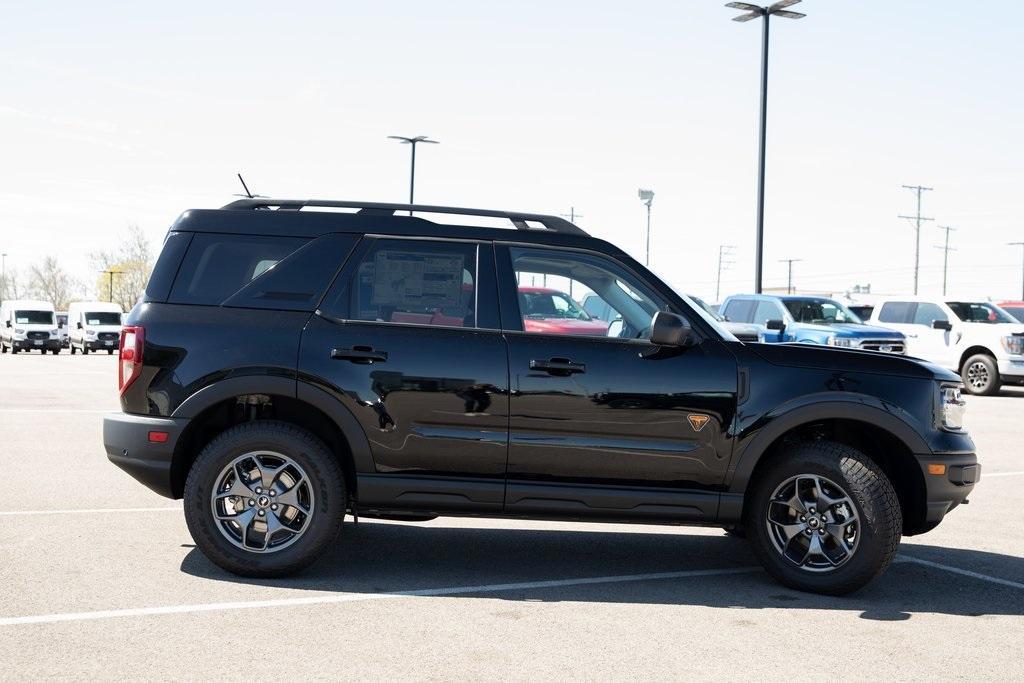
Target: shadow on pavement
{"type": "Point", "coordinates": [381, 558]}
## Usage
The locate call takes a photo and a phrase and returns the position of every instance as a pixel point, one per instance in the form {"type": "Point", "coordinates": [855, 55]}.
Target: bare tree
{"type": "Point", "coordinates": [49, 281]}
{"type": "Point", "coordinates": [131, 264]}
{"type": "Point", "coordinates": [10, 285]}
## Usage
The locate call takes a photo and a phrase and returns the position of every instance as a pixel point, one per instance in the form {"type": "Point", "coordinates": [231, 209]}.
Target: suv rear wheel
{"type": "Point", "coordinates": [265, 499]}
{"type": "Point", "coordinates": [980, 375]}
{"type": "Point", "coordinates": [824, 518]}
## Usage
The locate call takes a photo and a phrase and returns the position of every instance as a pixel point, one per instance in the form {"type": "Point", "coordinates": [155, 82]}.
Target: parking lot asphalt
{"type": "Point", "coordinates": [99, 579]}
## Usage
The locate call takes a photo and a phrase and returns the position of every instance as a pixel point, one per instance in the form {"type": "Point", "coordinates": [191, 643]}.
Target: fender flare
{"type": "Point", "coordinates": [833, 408]}
{"type": "Point", "coordinates": [330, 406]}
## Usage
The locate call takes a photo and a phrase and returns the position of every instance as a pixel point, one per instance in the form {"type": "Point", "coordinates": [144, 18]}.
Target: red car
{"type": "Point", "coordinates": [1014, 308]}
{"type": "Point", "coordinates": [553, 312]}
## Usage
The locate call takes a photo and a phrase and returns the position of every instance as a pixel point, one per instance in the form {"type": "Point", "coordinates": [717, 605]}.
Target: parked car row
{"type": "Point", "coordinates": [29, 325]}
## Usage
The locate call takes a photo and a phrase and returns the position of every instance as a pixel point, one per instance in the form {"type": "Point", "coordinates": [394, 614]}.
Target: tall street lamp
{"type": "Point", "coordinates": [753, 12]}
{"type": "Point", "coordinates": [647, 196]}
{"type": "Point", "coordinates": [412, 173]}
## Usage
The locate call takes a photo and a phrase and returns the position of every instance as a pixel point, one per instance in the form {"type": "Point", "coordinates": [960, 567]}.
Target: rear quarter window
{"type": "Point", "coordinates": [895, 311]}
{"type": "Point", "coordinates": [739, 310]}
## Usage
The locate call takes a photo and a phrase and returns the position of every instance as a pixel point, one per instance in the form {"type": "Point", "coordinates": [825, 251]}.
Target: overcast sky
{"type": "Point", "coordinates": [130, 113]}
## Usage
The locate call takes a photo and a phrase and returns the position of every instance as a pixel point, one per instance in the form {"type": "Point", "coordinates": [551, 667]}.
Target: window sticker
{"type": "Point", "coordinates": [413, 280]}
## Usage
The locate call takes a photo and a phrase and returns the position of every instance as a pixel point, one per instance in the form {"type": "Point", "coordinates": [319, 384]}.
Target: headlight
{"type": "Point", "coordinates": [90, 333]}
{"type": "Point", "coordinates": [1014, 344]}
{"type": "Point", "coordinates": [53, 333]}
{"type": "Point", "coordinates": [844, 342]}
{"type": "Point", "coordinates": [19, 331]}
{"type": "Point", "coordinates": [953, 407]}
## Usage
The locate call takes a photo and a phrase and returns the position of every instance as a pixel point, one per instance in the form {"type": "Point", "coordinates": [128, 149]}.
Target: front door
{"type": "Point", "coordinates": [408, 341]}
{"type": "Point", "coordinates": [603, 424]}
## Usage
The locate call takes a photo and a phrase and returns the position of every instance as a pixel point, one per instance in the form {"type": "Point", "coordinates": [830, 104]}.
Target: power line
{"type": "Point", "coordinates": [789, 279]}
{"type": "Point", "coordinates": [724, 252]}
{"type": "Point", "coordinates": [572, 215]}
{"type": "Point", "coordinates": [918, 218]}
{"type": "Point", "coordinates": [945, 255]}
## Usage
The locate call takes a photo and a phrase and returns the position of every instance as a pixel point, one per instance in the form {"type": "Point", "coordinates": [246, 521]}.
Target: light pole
{"type": "Point", "coordinates": [753, 12]}
{"type": "Point", "coordinates": [110, 286]}
{"type": "Point", "coordinates": [412, 171]}
{"type": "Point", "coordinates": [1021, 245]}
{"type": "Point", "coordinates": [789, 279]}
{"type": "Point", "coordinates": [945, 255]}
{"type": "Point", "coordinates": [647, 196]}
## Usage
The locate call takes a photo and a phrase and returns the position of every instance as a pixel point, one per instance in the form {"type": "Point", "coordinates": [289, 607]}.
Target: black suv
{"type": "Point", "coordinates": [289, 365]}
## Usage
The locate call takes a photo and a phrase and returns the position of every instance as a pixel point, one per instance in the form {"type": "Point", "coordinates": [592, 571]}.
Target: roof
{"type": "Point", "coordinates": [24, 304]}
{"type": "Point", "coordinates": [96, 306]}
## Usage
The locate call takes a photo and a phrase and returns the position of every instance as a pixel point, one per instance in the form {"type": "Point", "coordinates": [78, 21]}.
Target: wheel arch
{"type": "Point", "coordinates": [975, 350]}
{"type": "Point", "coordinates": [231, 401]}
{"type": "Point", "coordinates": [885, 438]}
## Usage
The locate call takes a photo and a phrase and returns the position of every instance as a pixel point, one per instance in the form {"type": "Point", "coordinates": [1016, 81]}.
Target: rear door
{"type": "Point", "coordinates": [408, 340]}
{"type": "Point", "coordinates": [899, 316]}
{"type": "Point", "coordinates": [607, 425]}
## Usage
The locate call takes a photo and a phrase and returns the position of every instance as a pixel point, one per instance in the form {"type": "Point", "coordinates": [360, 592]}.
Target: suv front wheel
{"type": "Point", "coordinates": [264, 499]}
{"type": "Point", "coordinates": [823, 518]}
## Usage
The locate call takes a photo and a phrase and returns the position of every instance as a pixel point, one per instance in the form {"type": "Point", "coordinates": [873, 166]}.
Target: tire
{"type": "Point", "coordinates": [55, 351]}
{"type": "Point", "coordinates": [110, 352]}
{"type": "Point", "coordinates": [85, 350]}
{"type": "Point", "coordinates": [278, 441]}
{"type": "Point", "coordinates": [3, 348]}
{"type": "Point", "coordinates": [72, 347]}
{"type": "Point", "coordinates": [862, 495]}
{"type": "Point", "coordinates": [980, 375]}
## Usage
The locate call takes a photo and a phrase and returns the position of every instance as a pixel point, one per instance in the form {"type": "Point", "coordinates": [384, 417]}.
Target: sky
{"type": "Point", "coordinates": [114, 114]}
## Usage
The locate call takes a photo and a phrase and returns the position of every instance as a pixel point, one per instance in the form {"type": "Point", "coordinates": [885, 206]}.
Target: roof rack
{"type": "Point", "coordinates": [519, 220]}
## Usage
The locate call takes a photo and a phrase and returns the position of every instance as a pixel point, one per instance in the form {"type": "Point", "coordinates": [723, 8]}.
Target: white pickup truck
{"type": "Point", "coordinates": [977, 339]}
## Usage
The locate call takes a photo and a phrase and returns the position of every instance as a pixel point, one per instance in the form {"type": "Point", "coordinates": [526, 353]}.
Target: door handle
{"type": "Point", "coordinates": [360, 354]}
{"type": "Point", "coordinates": [558, 366]}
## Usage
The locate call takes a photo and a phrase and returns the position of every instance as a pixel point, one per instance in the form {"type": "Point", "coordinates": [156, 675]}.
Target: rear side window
{"type": "Point", "coordinates": [740, 310]}
{"type": "Point", "coordinates": [895, 311]}
{"type": "Point", "coordinates": [415, 283]}
{"type": "Point", "coordinates": [216, 266]}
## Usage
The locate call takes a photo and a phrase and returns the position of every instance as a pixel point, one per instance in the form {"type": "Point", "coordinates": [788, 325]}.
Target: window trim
{"type": "Point", "coordinates": [355, 259]}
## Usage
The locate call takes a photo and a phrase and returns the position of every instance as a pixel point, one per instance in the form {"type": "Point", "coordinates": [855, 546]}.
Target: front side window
{"type": "Point", "coordinates": [765, 311]}
{"type": "Point", "coordinates": [416, 282]}
{"type": "Point", "coordinates": [740, 310]}
{"type": "Point", "coordinates": [33, 317]}
{"type": "Point", "coordinates": [979, 312]}
{"type": "Point", "coordinates": [927, 313]}
{"type": "Point", "coordinates": [550, 285]}
{"type": "Point", "coordinates": [820, 311]}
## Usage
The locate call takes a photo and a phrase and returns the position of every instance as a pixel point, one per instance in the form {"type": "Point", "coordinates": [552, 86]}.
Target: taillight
{"type": "Point", "coordinates": [130, 365]}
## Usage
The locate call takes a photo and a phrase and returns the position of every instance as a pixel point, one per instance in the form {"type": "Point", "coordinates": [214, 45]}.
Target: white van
{"type": "Point", "coordinates": [977, 339]}
{"type": "Point", "coordinates": [94, 326]}
{"type": "Point", "coordinates": [27, 325]}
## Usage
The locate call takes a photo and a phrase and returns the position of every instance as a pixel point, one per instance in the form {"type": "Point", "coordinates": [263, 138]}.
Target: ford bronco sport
{"type": "Point", "coordinates": [289, 365]}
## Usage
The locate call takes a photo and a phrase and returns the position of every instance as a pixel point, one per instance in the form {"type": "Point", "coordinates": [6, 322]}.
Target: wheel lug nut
{"type": "Point", "coordinates": [273, 492]}
{"type": "Point", "coordinates": [261, 513]}
{"type": "Point", "coordinates": [803, 518]}
{"type": "Point", "coordinates": [251, 502]}
{"type": "Point", "coordinates": [274, 506]}
{"type": "Point", "coordinates": [259, 490]}
{"type": "Point", "coordinates": [821, 531]}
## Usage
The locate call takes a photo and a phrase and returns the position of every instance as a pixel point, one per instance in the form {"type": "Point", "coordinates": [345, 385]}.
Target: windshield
{"type": "Point", "coordinates": [707, 309]}
{"type": "Point", "coordinates": [820, 311]}
{"type": "Point", "coordinates": [979, 312]}
{"type": "Point", "coordinates": [103, 318]}
{"type": "Point", "coordinates": [709, 318]}
{"type": "Point", "coordinates": [1016, 311]}
{"type": "Point", "coordinates": [541, 304]}
{"type": "Point", "coordinates": [33, 317]}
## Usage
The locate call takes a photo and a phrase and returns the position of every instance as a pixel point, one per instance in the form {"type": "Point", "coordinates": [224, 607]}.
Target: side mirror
{"type": "Point", "coordinates": [776, 325]}
{"type": "Point", "coordinates": [8, 323]}
{"type": "Point", "coordinates": [60, 326]}
{"type": "Point", "coordinates": [669, 329]}
{"type": "Point", "coordinates": [942, 325]}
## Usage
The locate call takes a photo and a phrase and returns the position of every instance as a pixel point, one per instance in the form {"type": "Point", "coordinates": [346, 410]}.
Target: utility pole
{"type": "Point", "coordinates": [945, 255]}
{"type": "Point", "coordinates": [110, 286]}
{"type": "Point", "coordinates": [572, 215]}
{"type": "Point", "coordinates": [917, 239]}
{"type": "Point", "coordinates": [647, 196]}
{"type": "Point", "coordinates": [725, 251]}
{"type": "Point", "coordinates": [789, 279]}
{"type": "Point", "coordinates": [1021, 245]}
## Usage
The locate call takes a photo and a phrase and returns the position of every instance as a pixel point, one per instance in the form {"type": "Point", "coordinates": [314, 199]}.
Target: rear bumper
{"type": "Point", "coordinates": [126, 439]}
{"type": "Point", "coordinates": [947, 490]}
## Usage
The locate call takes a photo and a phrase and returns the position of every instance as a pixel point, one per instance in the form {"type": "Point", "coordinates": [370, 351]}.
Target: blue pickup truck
{"type": "Point", "coordinates": [810, 320]}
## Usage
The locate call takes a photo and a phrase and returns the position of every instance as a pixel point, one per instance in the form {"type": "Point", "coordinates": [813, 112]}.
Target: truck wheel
{"type": "Point", "coordinates": [72, 347]}
{"type": "Point", "coordinates": [823, 518]}
{"type": "Point", "coordinates": [265, 499]}
{"type": "Point", "coordinates": [53, 351]}
{"type": "Point", "coordinates": [110, 352]}
{"type": "Point", "coordinates": [3, 347]}
{"type": "Point", "coordinates": [85, 350]}
{"type": "Point", "coordinates": [980, 375]}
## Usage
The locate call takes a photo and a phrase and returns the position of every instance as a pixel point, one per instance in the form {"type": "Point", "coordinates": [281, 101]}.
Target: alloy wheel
{"type": "Point", "coordinates": [978, 375]}
{"type": "Point", "coordinates": [813, 523]}
{"type": "Point", "coordinates": [262, 502]}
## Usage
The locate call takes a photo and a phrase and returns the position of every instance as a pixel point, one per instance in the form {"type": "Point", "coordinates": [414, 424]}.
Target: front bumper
{"type": "Point", "coordinates": [30, 344]}
{"type": "Point", "coordinates": [100, 345]}
{"type": "Point", "coordinates": [947, 490]}
{"type": "Point", "coordinates": [1011, 370]}
{"type": "Point", "coordinates": [126, 439]}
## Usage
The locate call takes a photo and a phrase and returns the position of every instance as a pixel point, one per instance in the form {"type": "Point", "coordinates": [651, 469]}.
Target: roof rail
{"type": "Point", "coordinates": [519, 220]}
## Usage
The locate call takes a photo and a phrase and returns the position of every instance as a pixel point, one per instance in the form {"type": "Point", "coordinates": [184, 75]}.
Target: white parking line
{"type": "Point", "coordinates": [962, 572]}
{"type": "Point", "coordinates": [84, 511]}
{"type": "Point", "coordinates": [362, 597]}
{"type": "Point", "coordinates": [53, 410]}
{"type": "Point", "coordinates": [986, 475]}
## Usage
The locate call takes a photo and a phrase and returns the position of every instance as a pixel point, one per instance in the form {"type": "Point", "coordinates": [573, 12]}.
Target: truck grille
{"type": "Point", "coordinates": [890, 345]}
{"type": "Point", "coordinates": [108, 336]}
{"type": "Point", "coordinates": [38, 335]}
